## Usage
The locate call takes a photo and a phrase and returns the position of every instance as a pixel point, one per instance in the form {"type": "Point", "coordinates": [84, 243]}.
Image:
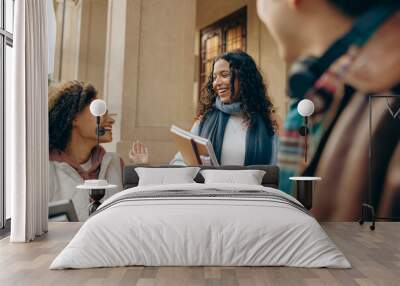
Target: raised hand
{"type": "Point", "coordinates": [139, 153]}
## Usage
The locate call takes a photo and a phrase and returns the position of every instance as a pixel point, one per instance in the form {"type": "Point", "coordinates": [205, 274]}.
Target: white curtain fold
{"type": "Point", "coordinates": [28, 124]}
{"type": "Point", "coordinates": [51, 35]}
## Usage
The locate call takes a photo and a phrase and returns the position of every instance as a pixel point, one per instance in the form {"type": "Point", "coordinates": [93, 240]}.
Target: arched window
{"type": "Point", "coordinates": [224, 35]}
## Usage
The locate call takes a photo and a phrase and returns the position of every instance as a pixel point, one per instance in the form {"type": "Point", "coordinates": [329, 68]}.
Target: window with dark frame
{"type": "Point", "coordinates": [224, 35]}
{"type": "Point", "coordinates": [6, 44]}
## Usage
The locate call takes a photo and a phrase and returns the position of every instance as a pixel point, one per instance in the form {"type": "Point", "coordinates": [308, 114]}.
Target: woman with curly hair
{"type": "Point", "coordinates": [73, 154]}
{"type": "Point", "coordinates": [236, 114]}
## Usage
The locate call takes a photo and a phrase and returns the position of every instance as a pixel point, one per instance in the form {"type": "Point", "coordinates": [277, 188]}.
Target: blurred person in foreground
{"type": "Point", "coordinates": [307, 34]}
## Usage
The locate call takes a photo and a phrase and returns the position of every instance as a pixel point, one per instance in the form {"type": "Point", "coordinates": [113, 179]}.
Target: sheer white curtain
{"type": "Point", "coordinates": [27, 135]}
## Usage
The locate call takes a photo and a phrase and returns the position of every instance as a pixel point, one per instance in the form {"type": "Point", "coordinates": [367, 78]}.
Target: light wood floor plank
{"type": "Point", "coordinates": [375, 257]}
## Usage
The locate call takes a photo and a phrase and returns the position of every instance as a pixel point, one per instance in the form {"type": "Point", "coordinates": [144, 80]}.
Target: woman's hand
{"type": "Point", "coordinates": [139, 154]}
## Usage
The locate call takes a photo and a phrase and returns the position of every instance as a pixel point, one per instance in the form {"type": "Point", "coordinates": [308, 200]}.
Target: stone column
{"type": "Point", "coordinates": [114, 66]}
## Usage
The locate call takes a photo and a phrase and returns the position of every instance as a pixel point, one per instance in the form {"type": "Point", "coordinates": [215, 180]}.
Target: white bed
{"type": "Point", "coordinates": [185, 230]}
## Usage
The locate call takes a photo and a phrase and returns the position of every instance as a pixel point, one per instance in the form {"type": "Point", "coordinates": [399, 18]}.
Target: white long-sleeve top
{"type": "Point", "coordinates": [63, 180]}
{"type": "Point", "coordinates": [234, 144]}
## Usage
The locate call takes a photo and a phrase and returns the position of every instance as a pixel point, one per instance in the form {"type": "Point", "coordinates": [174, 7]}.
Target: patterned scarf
{"type": "Point", "coordinates": [327, 94]}
{"type": "Point", "coordinates": [95, 157]}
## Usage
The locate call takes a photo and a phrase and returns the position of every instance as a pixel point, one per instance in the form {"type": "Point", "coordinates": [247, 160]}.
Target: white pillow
{"type": "Point", "coordinates": [163, 176]}
{"type": "Point", "coordinates": [248, 177]}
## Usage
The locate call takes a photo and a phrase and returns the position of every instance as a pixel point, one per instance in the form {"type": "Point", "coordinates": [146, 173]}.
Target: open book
{"type": "Point", "coordinates": [195, 150]}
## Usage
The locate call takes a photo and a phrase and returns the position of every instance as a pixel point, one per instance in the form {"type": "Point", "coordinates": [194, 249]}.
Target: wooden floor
{"type": "Point", "coordinates": [375, 257]}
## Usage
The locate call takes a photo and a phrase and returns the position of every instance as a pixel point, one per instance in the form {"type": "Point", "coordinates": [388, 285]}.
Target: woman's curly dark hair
{"type": "Point", "coordinates": [65, 102]}
{"type": "Point", "coordinates": [252, 92]}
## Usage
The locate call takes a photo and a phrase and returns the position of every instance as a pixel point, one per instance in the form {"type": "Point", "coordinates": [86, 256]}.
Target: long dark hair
{"type": "Point", "coordinates": [65, 102]}
{"type": "Point", "coordinates": [252, 92]}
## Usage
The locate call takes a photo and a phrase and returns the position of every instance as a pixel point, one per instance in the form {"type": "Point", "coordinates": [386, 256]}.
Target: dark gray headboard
{"type": "Point", "coordinates": [271, 177]}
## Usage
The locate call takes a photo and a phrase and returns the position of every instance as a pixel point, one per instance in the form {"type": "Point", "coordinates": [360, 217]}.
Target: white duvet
{"type": "Point", "coordinates": [200, 231]}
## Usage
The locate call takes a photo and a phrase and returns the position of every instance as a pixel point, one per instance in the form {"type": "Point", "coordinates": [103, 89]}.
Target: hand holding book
{"type": "Point", "coordinates": [195, 150]}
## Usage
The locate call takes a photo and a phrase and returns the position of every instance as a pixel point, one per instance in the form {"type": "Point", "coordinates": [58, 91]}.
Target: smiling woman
{"type": "Point", "coordinates": [236, 114]}
{"type": "Point", "coordinates": [74, 154]}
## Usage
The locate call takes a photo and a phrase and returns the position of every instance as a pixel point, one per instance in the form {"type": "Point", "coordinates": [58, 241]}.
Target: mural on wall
{"type": "Point", "coordinates": [153, 72]}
